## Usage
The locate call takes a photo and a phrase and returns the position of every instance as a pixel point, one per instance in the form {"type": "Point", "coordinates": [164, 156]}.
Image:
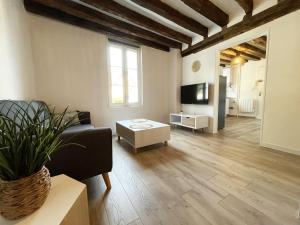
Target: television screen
{"type": "Point", "coordinates": [201, 93]}
{"type": "Point", "coordinates": [187, 94]}
{"type": "Point", "coordinates": [194, 94]}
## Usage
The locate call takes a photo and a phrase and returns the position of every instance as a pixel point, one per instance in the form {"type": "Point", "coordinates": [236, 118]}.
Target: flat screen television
{"type": "Point", "coordinates": [194, 94]}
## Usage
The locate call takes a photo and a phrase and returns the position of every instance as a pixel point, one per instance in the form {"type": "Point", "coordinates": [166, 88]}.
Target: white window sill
{"type": "Point", "coordinates": [122, 106]}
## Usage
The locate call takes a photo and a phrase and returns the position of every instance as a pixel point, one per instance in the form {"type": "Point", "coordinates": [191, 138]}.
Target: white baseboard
{"type": "Point", "coordinates": [281, 148]}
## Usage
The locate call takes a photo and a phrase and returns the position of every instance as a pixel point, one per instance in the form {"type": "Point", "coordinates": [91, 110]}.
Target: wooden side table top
{"type": "Point", "coordinates": [64, 193]}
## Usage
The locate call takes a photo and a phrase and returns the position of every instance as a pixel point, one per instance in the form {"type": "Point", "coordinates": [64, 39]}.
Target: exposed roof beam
{"type": "Point", "coordinates": [91, 15]}
{"type": "Point", "coordinates": [209, 10]}
{"type": "Point", "coordinates": [133, 41]}
{"type": "Point", "coordinates": [259, 42]}
{"type": "Point", "coordinates": [245, 54]}
{"type": "Point", "coordinates": [252, 49]}
{"type": "Point", "coordinates": [56, 14]}
{"type": "Point", "coordinates": [224, 61]}
{"type": "Point", "coordinates": [120, 40]}
{"type": "Point", "coordinates": [282, 8]}
{"type": "Point", "coordinates": [250, 56]}
{"type": "Point", "coordinates": [226, 56]}
{"type": "Point", "coordinates": [173, 15]}
{"type": "Point", "coordinates": [120, 11]}
{"type": "Point", "coordinates": [247, 5]}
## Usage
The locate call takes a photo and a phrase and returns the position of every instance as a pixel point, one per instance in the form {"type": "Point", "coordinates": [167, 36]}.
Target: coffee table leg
{"type": "Point", "coordinates": [166, 143]}
{"type": "Point", "coordinates": [119, 138]}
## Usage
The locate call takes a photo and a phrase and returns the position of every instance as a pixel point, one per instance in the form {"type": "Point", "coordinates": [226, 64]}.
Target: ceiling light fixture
{"type": "Point", "coordinates": [238, 60]}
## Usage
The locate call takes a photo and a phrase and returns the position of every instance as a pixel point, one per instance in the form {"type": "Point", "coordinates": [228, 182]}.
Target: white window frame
{"type": "Point", "coordinates": [125, 76]}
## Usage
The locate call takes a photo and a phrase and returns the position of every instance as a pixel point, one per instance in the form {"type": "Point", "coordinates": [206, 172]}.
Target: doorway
{"type": "Point", "coordinates": [241, 89]}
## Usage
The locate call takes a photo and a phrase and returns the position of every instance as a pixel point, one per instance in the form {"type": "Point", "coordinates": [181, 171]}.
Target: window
{"type": "Point", "coordinates": [125, 79]}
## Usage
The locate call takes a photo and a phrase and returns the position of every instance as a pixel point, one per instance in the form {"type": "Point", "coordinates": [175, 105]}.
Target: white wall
{"type": "Point", "coordinates": [250, 88]}
{"type": "Point", "coordinates": [250, 73]}
{"type": "Point", "coordinates": [205, 74]}
{"type": "Point", "coordinates": [281, 128]}
{"type": "Point", "coordinates": [71, 69]}
{"type": "Point", "coordinates": [16, 66]}
{"type": "Point", "coordinates": [175, 80]}
{"type": "Point", "coordinates": [282, 86]}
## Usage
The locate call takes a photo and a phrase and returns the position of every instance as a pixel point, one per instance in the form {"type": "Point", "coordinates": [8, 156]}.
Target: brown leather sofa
{"type": "Point", "coordinates": [78, 162]}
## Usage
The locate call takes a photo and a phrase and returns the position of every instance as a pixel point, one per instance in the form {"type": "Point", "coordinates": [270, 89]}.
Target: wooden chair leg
{"type": "Point", "coordinates": [106, 180]}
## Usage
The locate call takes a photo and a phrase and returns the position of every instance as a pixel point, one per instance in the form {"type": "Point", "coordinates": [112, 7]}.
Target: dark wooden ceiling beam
{"type": "Point", "coordinates": [226, 56]}
{"type": "Point", "coordinates": [245, 47]}
{"type": "Point", "coordinates": [59, 15]}
{"type": "Point", "coordinates": [249, 56]}
{"type": "Point", "coordinates": [245, 54]}
{"type": "Point", "coordinates": [282, 8]}
{"type": "Point", "coordinates": [264, 38]}
{"type": "Point", "coordinates": [91, 15]}
{"type": "Point", "coordinates": [173, 15]}
{"type": "Point", "coordinates": [224, 61]}
{"type": "Point", "coordinates": [247, 5]}
{"type": "Point", "coordinates": [120, 11]}
{"type": "Point", "coordinates": [259, 42]}
{"type": "Point", "coordinates": [209, 10]}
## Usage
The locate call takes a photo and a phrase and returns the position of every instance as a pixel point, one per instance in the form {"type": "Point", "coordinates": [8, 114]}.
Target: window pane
{"type": "Point", "coordinates": [115, 56]}
{"type": "Point", "coordinates": [117, 94]}
{"type": "Point", "coordinates": [116, 75]}
{"type": "Point", "coordinates": [117, 85]}
{"type": "Point", "coordinates": [124, 91]}
{"type": "Point", "coordinates": [131, 59]}
{"type": "Point", "coordinates": [133, 95]}
{"type": "Point", "coordinates": [132, 78]}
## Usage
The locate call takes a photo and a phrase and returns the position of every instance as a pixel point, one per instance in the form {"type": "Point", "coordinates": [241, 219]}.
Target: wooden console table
{"type": "Point", "coordinates": [194, 122]}
{"type": "Point", "coordinates": [66, 205]}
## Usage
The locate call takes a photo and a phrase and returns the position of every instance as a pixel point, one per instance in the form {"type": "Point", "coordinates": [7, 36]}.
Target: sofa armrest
{"type": "Point", "coordinates": [81, 163]}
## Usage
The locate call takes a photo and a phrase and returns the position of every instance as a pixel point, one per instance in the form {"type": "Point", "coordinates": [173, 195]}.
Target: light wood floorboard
{"type": "Point", "coordinates": [224, 179]}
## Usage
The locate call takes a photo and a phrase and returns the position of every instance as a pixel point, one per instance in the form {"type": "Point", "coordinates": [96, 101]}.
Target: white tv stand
{"type": "Point", "coordinates": [191, 121]}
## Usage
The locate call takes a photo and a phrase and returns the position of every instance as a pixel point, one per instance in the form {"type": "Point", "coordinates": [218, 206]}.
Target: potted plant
{"type": "Point", "coordinates": [29, 134]}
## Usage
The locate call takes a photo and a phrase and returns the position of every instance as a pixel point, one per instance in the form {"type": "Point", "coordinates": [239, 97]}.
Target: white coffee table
{"type": "Point", "coordinates": [142, 132]}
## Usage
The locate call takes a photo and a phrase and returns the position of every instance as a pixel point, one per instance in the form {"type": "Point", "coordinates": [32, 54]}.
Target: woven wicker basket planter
{"type": "Point", "coordinates": [21, 197]}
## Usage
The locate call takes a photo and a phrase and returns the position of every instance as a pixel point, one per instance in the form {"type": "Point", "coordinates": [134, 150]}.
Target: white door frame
{"type": "Point", "coordinates": [218, 51]}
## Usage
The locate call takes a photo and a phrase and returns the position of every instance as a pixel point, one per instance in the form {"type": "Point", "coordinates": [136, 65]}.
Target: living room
{"type": "Point", "coordinates": [135, 71]}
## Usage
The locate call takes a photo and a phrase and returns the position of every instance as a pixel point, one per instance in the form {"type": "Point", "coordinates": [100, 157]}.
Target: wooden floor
{"type": "Point", "coordinates": [199, 179]}
{"type": "Point", "coordinates": [243, 128]}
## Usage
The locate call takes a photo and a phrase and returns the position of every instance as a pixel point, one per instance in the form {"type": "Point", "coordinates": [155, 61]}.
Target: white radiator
{"type": "Point", "coordinates": [246, 106]}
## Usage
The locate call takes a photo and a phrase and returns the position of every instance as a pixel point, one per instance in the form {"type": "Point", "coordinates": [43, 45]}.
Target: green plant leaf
{"type": "Point", "coordinates": [29, 134]}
